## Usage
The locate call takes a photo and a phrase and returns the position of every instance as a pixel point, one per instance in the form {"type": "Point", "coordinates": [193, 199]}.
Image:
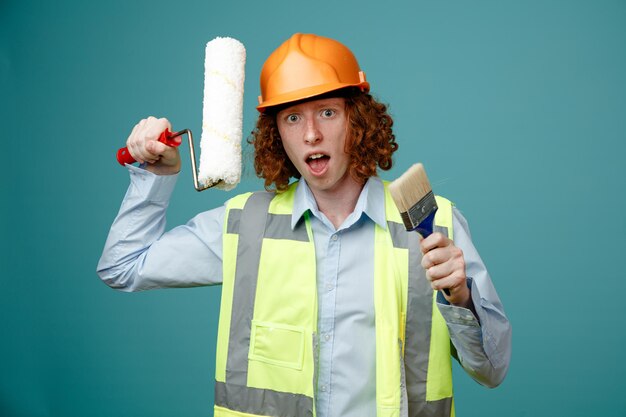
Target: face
{"type": "Point", "coordinates": [314, 136]}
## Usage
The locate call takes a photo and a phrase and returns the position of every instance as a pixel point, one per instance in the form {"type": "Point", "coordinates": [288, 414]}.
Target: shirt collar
{"type": "Point", "coordinates": [371, 202]}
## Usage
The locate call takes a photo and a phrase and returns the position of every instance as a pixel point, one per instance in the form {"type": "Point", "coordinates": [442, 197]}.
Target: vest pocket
{"type": "Point", "coordinates": [277, 344]}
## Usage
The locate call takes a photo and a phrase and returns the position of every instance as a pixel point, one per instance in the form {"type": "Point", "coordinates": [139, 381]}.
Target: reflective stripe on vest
{"type": "Point", "coordinates": [428, 373]}
{"type": "Point", "coordinates": [266, 356]}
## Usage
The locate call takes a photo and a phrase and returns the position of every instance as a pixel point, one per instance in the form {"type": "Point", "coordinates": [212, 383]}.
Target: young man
{"type": "Point", "coordinates": [329, 307]}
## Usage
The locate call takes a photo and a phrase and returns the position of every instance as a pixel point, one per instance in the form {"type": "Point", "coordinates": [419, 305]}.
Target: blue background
{"type": "Point", "coordinates": [517, 109]}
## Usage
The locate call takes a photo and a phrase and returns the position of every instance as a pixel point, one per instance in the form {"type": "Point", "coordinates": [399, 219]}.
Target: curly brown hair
{"type": "Point", "coordinates": [370, 143]}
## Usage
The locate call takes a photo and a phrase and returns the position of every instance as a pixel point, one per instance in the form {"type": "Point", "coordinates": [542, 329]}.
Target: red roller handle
{"type": "Point", "coordinates": [166, 137]}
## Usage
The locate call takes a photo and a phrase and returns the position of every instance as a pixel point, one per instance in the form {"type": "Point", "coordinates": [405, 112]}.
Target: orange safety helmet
{"type": "Point", "coordinates": [306, 66]}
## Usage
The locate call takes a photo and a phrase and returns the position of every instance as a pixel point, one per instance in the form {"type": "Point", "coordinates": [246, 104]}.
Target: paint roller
{"type": "Point", "coordinates": [222, 118]}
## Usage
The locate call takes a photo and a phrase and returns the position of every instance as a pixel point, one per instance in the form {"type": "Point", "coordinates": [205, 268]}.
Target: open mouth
{"type": "Point", "coordinates": [317, 162]}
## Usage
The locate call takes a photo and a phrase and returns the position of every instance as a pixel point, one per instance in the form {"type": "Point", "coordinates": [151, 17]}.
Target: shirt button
{"type": "Point", "coordinates": [323, 388]}
{"type": "Point", "coordinates": [327, 337]}
{"type": "Point", "coordinates": [329, 287]}
{"type": "Point", "coordinates": [334, 237]}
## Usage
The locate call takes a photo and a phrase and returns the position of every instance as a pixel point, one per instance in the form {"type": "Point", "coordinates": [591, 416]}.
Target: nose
{"type": "Point", "coordinates": [312, 134]}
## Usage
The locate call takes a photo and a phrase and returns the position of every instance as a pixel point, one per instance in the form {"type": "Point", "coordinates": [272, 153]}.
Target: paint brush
{"type": "Point", "coordinates": [416, 202]}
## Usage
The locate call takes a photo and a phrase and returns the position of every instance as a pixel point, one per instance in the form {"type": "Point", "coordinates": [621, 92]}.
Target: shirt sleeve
{"type": "Point", "coordinates": [138, 253]}
{"type": "Point", "coordinates": [483, 343]}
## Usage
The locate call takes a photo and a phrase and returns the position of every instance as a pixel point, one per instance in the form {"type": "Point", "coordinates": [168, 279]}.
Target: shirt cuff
{"type": "Point", "coordinates": [149, 186]}
{"type": "Point", "coordinates": [455, 314]}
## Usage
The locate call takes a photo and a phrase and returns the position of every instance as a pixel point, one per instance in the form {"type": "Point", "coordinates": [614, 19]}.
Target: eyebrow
{"type": "Point", "coordinates": [327, 102]}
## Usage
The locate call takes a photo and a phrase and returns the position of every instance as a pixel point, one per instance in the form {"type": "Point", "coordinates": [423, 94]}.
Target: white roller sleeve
{"type": "Point", "coordinates": [222, 114]}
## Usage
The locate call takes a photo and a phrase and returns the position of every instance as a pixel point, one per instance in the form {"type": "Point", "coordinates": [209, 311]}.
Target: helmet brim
{"type": "Point", "coordinates": [309, 92]}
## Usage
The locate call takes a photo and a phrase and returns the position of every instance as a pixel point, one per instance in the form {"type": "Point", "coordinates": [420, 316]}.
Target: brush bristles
{"type": "Point", "coordinates": [410, 188]}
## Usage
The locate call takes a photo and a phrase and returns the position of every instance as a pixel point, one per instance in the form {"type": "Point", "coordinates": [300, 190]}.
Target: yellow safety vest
{"type": "Point", "coordinates": [267, 336]}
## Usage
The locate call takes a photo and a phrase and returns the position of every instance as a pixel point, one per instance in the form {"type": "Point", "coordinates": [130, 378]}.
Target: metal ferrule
{"type": "Point", "coordinates": [419, 212]}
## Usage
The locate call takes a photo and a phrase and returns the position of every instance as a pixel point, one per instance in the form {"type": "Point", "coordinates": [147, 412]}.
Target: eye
{"type": "Point", "coordinates": [292, 118]}
{"type": "Point", "coordinates": [328, 113]}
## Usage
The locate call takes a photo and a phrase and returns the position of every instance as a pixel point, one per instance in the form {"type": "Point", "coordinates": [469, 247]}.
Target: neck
{"type": "Point", "coordinates": [337, 205]}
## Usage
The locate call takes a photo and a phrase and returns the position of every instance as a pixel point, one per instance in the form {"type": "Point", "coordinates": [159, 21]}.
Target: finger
{"type": "Point", "coordinates": [156, 148]}
{"type": "Point", "coordinates": [458, 294]}
{"type": "Point", "coordinates": [435, 240]}
{"type": "Point", "coordinates": [152, 150]}
{"type": "Point", "coordinates": [138, 149]}
{"type": "Point", "coordinates": [170, 152]}
{"type": "Point", "coordinates": [434, 257]}
{"type": "Point", "coordinates": [438, 256]}
{"type": "Point", "coordinates": [166, 154]}
{"type": "Point", "coordinates": [450, 282]}
{"type": "Point", "coordinates": [154, 127]}
{"type": "Point", "coordinates": [143, 142]}
{"type": "Point", "coordinates": [166, 124]}
{"type": "Point", "coordinates": [440, 271]}
{"type": "Point", "coordinates": [135, 149]}
{"type": "Point", "coordinates": [137, 139]}
{"type": "Point", "coordinates": [146, 137]}
{"type": "Point", "coordinates": [454, 265]}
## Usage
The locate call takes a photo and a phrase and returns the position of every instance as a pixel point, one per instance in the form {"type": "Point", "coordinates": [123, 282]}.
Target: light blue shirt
{"type": "Point", "coordinates": [345, 287]}
{"type": "Point", "coordinates": [140, 255]}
